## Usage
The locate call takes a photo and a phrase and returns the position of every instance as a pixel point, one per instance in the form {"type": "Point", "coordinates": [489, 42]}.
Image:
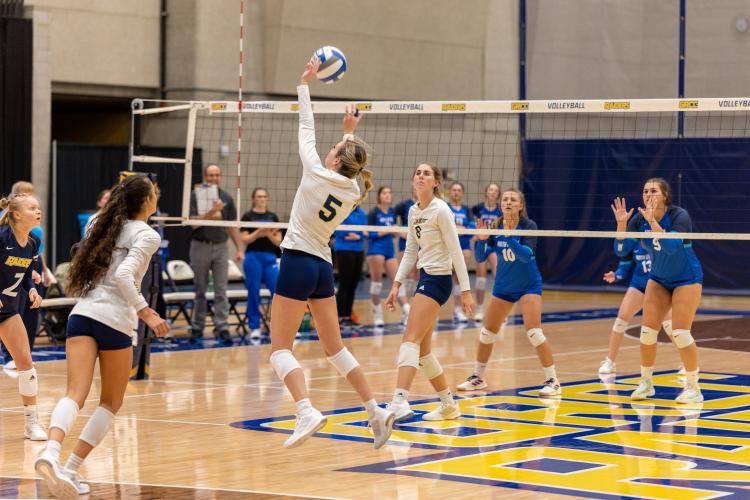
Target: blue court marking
{"type": "Point", "coordinates": [57, 352]}
{"type": "Point", "coordinates": [554, 465]}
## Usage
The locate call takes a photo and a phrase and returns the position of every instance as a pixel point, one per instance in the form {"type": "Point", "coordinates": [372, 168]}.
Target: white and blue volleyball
{"type": "Point", "coordinates": [332, 64]}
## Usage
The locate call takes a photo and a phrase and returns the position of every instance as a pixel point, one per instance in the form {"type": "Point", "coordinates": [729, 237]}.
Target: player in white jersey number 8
{"type": "Point", "coordinates": [328, 192]}
{"type": "Point", "coordinates": [433, 238]}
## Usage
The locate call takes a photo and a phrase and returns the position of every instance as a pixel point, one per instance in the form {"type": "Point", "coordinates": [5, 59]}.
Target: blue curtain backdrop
{"type": "Point", "coordinates": [569, 184]}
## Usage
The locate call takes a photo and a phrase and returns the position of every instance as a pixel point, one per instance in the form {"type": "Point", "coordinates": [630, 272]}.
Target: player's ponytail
{"type": "Point", "coordinates": [354, 159]}
{"type": "Point", "coordinates": [12, 203]}
{"type": "Point", "coordinates": [91, 260]}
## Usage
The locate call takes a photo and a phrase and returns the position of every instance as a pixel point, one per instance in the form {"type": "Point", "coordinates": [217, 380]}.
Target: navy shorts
{"type": "Point", "coordinates": [639, 283]}
{"type": "Point", "coordinates": [303, 276]}
{"type": "Point", "coordinates": [671, 285]}
{"type": "Point", "coordinates": [107, 338]}
{"type": "Point", "coordinates": [437, 287]}
{"type": "Point", "coordinates": [7, 314]}
{"type": "Point", "coordinates": [514, 296]}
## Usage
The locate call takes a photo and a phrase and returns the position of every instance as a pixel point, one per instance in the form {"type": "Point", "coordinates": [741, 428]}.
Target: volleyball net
{"type": "Point", "coordinates": [571, 158]}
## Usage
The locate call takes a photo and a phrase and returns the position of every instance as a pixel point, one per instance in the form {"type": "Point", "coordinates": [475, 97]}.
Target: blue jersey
{"type": "Point", "coordinates": [381, 245]}
{"type": "Point", "coordinates": [15, 271]}
{"type": "Point", "coordinates": [673, 261]}
{"type": "Point", "coordinates": [465, 219]}
{"type": "Point", "coordinates": [517, 271]}
{"type": "Point", "coordinates": [402, 213]}
{"type": "Point", "coordinates": [356, 218]}
{"type": "Point", "coordinates": [638, 261]}
{"type": "Point", "coordinates": [481, 211]}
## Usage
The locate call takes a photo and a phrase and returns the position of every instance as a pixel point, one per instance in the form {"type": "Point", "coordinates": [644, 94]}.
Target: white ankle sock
{"type": "Point", "coordinates": [73, 463]}
{"type": "Point", "coordinates": [647, 372]}
{"type": "Point", "coordinates": [480, 369]}
{"type": "Point", "coordinates": [400, 396]}
{"type": "Point", "coordinates": [303, 405]}
{"type": "Point", "coordinates": [30, 414]}
{"type": "Point", "coordinates": [691, 378]}
{"type": "Point", "coordinates": [54, 448]}
{"type": "Point", "coordinates": [446, 397]}
{"type": "Point", "coordinates": [549, 372]}
{"type": "Point", "coordinates": [371, 406]}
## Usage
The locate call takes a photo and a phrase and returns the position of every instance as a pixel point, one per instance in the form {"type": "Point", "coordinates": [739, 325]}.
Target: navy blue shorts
{"type": "Point", "coordinates": [639, 283]}
{"type": "Point", "coordinates": [439, 288]}
{"type": "Point", "coordinates": [671, 285]}
{"type": "Point", "coordinates": [303, 276]}
{"type": "Point", "coordinates": [107, 338]}
{"type": "Point", "coordinates": [515, 296]}
{"type": "Point", "coordinates": [7, 314]}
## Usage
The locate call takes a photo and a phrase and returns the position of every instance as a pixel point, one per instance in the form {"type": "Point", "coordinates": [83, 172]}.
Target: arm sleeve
{"type": "Point", "coordinates": [523, 252]}
{"type": "Point", "coordinates": [28, 281]}
{"type": "Point", "coordinates": [624, 268]}
{"type": "Point", "coordinates": [307, 152]}
{"type": "Point", "coordinates": [146, 243]}
{"type": "Point", "coordinates": [624, 247]}
{"type": "Point", "coordinates": [680, 224]}
{"type": "Point", "coordinates": [410, 256]}
{"type": "Point", "coordinates": [482, 250]}
{"type": "Point", "coordinates": [447, 223]}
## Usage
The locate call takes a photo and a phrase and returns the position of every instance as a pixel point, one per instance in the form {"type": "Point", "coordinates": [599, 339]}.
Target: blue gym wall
{"type": "Point", "coordinates": [569, 184]}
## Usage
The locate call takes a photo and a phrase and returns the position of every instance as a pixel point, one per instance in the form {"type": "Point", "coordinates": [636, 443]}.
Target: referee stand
{"type": "Point", "coordinates": [151, 286]}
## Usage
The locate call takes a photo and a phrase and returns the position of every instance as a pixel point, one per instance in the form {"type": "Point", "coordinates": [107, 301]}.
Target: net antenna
{"type": "Point", "coordinates": [238, 196]}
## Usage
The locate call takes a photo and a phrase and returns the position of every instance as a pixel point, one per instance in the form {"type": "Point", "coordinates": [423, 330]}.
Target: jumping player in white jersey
{"type": "Point", "coordinates": [106, 273]}
{"type": "Point", "coordinates": [433, 238]}
{"type": "Point", "coordinates": [328, 192]}
{"type": "Point", "coordinates": [18, 253]}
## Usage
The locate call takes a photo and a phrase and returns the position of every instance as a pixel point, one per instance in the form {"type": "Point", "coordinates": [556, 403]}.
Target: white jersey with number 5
{"type": "Point", "coordinates": [433, 239]}
{"type": "Point", "coordinates": [324, 197]}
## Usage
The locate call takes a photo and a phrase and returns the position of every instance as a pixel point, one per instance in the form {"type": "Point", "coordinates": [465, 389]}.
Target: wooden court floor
{"type": "Point", "coordinates": [210, 423]}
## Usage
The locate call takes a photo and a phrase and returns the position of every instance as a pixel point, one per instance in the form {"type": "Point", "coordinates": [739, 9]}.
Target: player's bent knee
{"type": "Point", "coordinates": [667, 325]}
{"type": "Point", "coordinates": [283, 363]}
{"type": "Point", "coordinates": [408, 355]}
{"type": "Point", "coordinates": [28, 384]}
{"type": "Point", "coordinates": [344, 361]}
{"type": "Point", "coordinates": [620, 325]}
{"type": "Point", "coordinates": [682, 338]}
{"type": "Point", "coordinates": [481, 283]}
{"type": "Point", "coordinates": [536, 336]}
{"type": "Point", "coordinates": [375, 287]}
{"type": "Point", "coordinates": [648, 335]}
{"type": "Point", "coordinates": [64, 415]}
{"type": "Point", "coordinates": [430, 366]}
{"type": "Point", "coordinates": [98, 426]}
{"type": "Point", "coordinates": [487, 337]}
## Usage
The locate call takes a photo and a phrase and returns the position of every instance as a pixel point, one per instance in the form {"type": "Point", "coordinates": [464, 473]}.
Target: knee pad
{"type": "Point", "coordinates": [375, 287]}
{"type": "Point", "coordinates": [430, 366]}
{"type": "Point", "coordinates": [401, 290]}
{"type": "Point", "coordinates": [408, 355]}
{"type": "Point", "coordinates": [64, 415]}
{"type": "Point", "coordinates": [667, 325]}
{"type": "Point", "coordinates": [343, 361]}
{"type": "Point", "coordinates": [481, 283]}
{"type": "Point", "coordinates": [98, 426]}
{"type": "Point", "coordinates": [28, 384]}
{"type": "Point", "coordinates": [536, 336]}
{"type": "Point", "coordinates": [283, 362]}
{"type": "Point", "coordinates": [487, 337]}
{"type": "Point", "coordinates": [648, 335]}
{"type": "Point", "coordinates": [457, 290]}
{"type": "Point", "coordinates": [682, 338]}
{"type": "Point", "coordinates": [620, 325]}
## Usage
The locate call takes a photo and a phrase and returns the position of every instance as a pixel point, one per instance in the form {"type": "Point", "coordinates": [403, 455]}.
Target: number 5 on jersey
{"type": "Point", "coordinates": [328, 212]}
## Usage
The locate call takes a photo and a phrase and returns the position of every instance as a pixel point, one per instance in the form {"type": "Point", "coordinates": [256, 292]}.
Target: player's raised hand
{"type": "Point", "coordinates": [619, 208]}
{"type": "Point", "coordinates": [352, 116]}
{"type": "Point", "coordinates": [481, 224]}
{"type": "Point", "coordinates": [311, 69]}
{"type": "Point", "coordinates": [649, 212]}
{"type": "Point", "coordinates": [609, 277]}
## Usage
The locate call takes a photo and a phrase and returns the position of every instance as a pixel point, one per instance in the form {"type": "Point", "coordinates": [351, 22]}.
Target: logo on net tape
{"type": "Point", "coordinates": [258, 106]}
{"type": "Point", "coordinates": [519, 106]}
{"type": "Point", "coordinates": [295, 106]}
{"type": "Point", "coordinates": [218, 106]}
{"type": "Point", "coordinates": [406, 106]}
{"type": "Point", "coordinates": [364, 106]}
{"type": "Point", "coordinates": [734, 103]}
{"type": "Point", "coordinates": [688, 104]}
{"type": "Point", "coordinates": [616, 104]}
{"type": "Point", "coordinates": [454, 106]}
{"type": "Point", "coordinates": [566, 105]}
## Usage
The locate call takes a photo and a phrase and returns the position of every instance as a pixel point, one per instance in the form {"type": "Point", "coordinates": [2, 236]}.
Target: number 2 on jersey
{"type": "Point", "coordinates": [10, 291]}
{"type": "Point", "coordinates": [330, 210]}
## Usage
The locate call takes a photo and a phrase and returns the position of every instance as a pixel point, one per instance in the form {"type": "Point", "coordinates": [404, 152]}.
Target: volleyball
{"type": "Point", "coordinates": [332, 64]}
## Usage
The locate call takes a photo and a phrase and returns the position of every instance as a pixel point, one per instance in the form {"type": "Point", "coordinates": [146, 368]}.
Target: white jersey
{"type": "Point", "coordinates": [324, 197]}
{"type": "Point", "coordinates": [433, 239]}
{"type": "Point", "coordinates": [116, 298]}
